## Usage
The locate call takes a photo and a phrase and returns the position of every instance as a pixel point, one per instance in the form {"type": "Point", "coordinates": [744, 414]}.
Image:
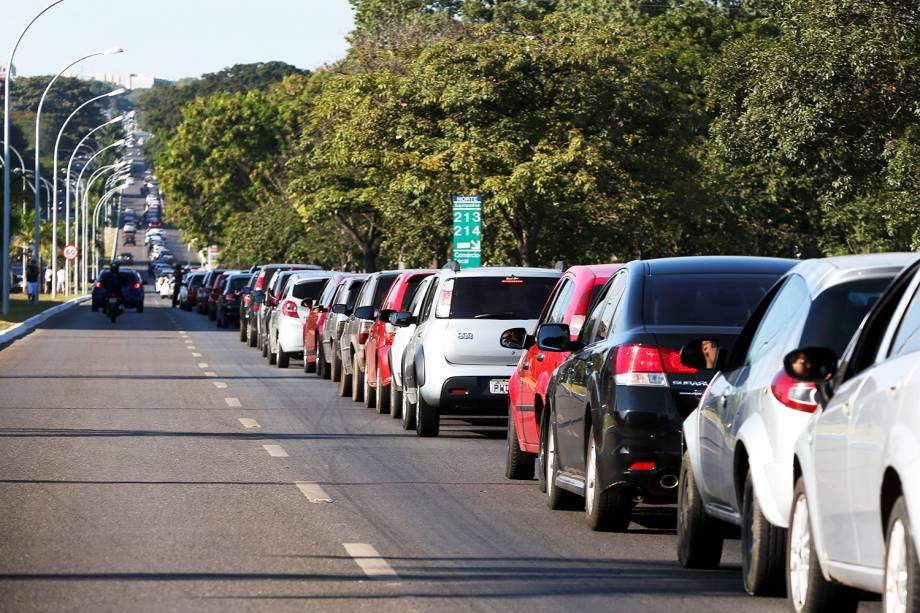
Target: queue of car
{"type": "Point", "coordinates": [768, 398]}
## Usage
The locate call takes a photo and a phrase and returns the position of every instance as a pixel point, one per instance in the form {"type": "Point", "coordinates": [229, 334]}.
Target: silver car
{"type": "Point", "coordinates": [454, 363]}
{"type": "Point", "coordinates": [285, 324]}
{"type": "Point", "coordinates": [343, 303]}
{"type": "Point", "coordinates": [857, 475]}
{"type": "Point", "coordinates": [739, 441]}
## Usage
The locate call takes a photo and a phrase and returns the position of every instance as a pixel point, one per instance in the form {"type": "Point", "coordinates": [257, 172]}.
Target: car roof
{"type": "Point", "coordinates": [502, 271]}
{"type": "Point", "coordinates": [820, 273]}
{"type": "Point", "coordinates": [598, 270]}
{"type": "Point", "coordinates": [716, 264]}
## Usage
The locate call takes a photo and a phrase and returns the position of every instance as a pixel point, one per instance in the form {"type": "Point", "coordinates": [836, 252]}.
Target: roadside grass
{"type": "Point", "coordinates": [21, 309]}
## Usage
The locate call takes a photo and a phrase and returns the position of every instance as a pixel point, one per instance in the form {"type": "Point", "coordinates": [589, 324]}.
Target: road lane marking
{"type": "Point", "coordinates": [313, 492]}
{"type": "Point", "coordinates": [220, 385]}
{"type": "Point", "coordinates": [275, 451]}
{"type": "Point", "coordinates": [209, 373]}
{"type": "Point", "coordinates": [188, 341]}
{"type": "Point", "coordinates": [233, 402]}
{"type": "Point", "coordinates": [249, 423]}
{"type": "Point", "coordinates": [196, 355]}
{"type": "Point", "coordinates": [367, 558]}
{"type": "Point", "coordinates": [202, 365]}
{"type": "Point", "coordinates": [191, 347]}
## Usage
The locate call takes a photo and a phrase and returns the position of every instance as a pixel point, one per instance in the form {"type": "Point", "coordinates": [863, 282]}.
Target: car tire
{"type": "Point", "coordinates": [264, 350]}
{"type": "Point", "coordinates": [94, 308]}
{"type": "Point", "coordinates": [427, 417]}
{"type": "Point", "coordinates": [322, 367]}
{"type": "Point", "coordinates": [900, 559]}
{"type": "Point", "coordinates": [357, 379]}
{"type": "Point", "coordinates": [212, 315]}
{"type": "Point", "coordinates": [282, 357]}
{"type": "Point", "coordinates": [605, 509]}
{"type": "Point", "coordinates": [381, 395]}
{"type": "Point", "coordinates": [272, 356]}
{"type": "Point", "coordinates": [556, 498]}
{"type": "Point", "coordinates": [809, 591]}
{"type": "Point", "coordinates": [699, 537]}
{"type": "Point", "coordinates": [140, 308]}
{"type": "Point", "coordinates": [407, 416]}
{"type": "Point", "coordinates": [396, 397]}
{"type": "Point", "coordinates": [244, 336]}
{"type": "Point", "coordinates": [519, 464]}
{"type": "Point", "coordinates": [335, 370]}
{"type": "Point", "coordinates": [368, 395]}
{"type": "Point", "coordinates": [345, 381]}
{"type": "Point", "coordinates": [763, 548]}
{"type": "Point", "coordinates": [253, 339]}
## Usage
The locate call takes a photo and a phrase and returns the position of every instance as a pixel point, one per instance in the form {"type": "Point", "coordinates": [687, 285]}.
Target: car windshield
{"type": "Point", "coordinates": [703, 299]}
{"type": "Point", "coordinates": [308, 289]}
{"type": "Point", "coordinates": [838, 311]}
{"type": "Point", "coordinates": [510, 297]}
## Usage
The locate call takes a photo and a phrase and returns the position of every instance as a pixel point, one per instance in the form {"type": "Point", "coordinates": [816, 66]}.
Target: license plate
{"type": "Point", "coordinates": [498, 386]}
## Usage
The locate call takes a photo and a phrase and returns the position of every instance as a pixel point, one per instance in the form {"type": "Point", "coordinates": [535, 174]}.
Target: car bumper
{"type": "Point", "coordinates": [625, 445]}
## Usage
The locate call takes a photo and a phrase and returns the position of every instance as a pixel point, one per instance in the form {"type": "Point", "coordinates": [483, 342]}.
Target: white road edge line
{"type": "Point", "coordinates": [275, 451]}
{"type": "Point", "coordinates": [249, 423]}
{"type": "Point", "coordinates": [233, 402]}
{"type": "Point", "coordinates": [313, 492]}
{"type": "Point", "coordinates": [369, 560]}
{"type": "Point", "coordinates": [220, 385]}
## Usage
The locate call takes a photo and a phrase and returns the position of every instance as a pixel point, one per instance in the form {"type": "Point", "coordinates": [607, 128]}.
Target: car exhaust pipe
{"type": "Point", "coordinates": [668, 482]}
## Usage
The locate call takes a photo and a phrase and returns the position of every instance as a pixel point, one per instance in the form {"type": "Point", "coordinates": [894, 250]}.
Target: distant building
{"type": "Point", "coordinates": [128, 81]}
{"type": "Point", "coordinates": [3, 71]}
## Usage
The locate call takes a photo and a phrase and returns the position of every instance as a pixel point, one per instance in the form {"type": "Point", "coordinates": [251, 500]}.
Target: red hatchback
{"type": "Point", "coordinates": [569, 303]}
{"type": "Point", "coordinates": [313, 360]}
{"type": "Point", "coordinates": [380, 336]}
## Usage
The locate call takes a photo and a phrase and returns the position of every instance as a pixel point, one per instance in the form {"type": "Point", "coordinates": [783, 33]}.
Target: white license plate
{"type": "Point", "coordinates": [498, 386]}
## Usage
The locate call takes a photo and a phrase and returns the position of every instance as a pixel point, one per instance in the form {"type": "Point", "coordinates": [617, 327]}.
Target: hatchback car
{"type": "Point", "coordinates": [398, 345]}
{"type": "Point", "coordinates": [611, 431]}
{"type": "Point", "coordinates": [738, 443]}
{"type": "Point", "coordinates": [454, 364]}
{"type": "Point", "coordinates": [188, 298]}
{"type": "Point", "coordinates": [228, 308]}
{"type": "Point", "coordinates": [569, 304]}
{"type": "Point", "coordinates": [856, 493]}
{"type": "Point", "coordinates": [207, 286]}
{"type": "Point", "coordinates": [132, 290]}
{"type": "Point", "coordinates": [263, 279]}
{"type": "Point", "coordinates": [285, 327]}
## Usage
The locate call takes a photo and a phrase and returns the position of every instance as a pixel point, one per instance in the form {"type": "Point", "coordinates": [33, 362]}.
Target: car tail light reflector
{"type": "Point", "coordinates": [230, 296]}
{"type": "Point", "coordinates": [638, 365]}
{"type": "Point", "coordinates": [458, 391]}
{"type": "Point", "coordinates": [797, 395]}
{"type": "Point", "coordinates": [260, 282]}
{"type": "Point", "coordinates": [289, 308]}
{"type": "Point", "coordinates": [137, 285]}
{"type": "Point", "coordinates": [98, 285]}
{"type": "Point", "coordinates": [643, 466]}
{"type": "Point", "coordinates": [445, 299]}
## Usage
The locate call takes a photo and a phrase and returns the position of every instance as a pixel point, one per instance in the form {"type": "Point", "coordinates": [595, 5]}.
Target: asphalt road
{"type": "Point", "coordinates": [158, 464]}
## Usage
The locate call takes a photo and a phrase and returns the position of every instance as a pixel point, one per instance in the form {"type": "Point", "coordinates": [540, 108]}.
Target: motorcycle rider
{"type": "Point", "coordinates": [178, 273]}
{"type": "Point", "coordinates": [113, 284]}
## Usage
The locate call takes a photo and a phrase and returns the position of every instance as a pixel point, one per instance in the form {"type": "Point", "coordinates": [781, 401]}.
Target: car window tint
{"type": "Point", "coordinates": [838, 311]}
{"type": "Point", "coordinates": [429, 300]}
{"type": "Point", "coordinates": [362, 298]}
{"type": "Point", "coordinates": [308, 289]}
{"type": "Point", "coordinates": [238, 283]}
{"type": "Point", "coordinates": [384, 282]}
{"type": "Point", "coordinates": [329, 292]}
{"type": "Point", "coordinates": [561, 302]}
{"type": "Point", "coordinates": [500, 297]}
{"type": "Point", "coordinates": [789, 304]}
{"type": "Point", "coordinates": [606, 311]}
{"type": "Point", "coordinates": [352, 294]}
{"type": "Point", "coordinates": [703, 299]}
{"type": "Point", "coordinates": [419, 296]}
{"type": "Point", "coordinates": [907, 339]}
{"type": "Point", "coordinates": [412, 286]}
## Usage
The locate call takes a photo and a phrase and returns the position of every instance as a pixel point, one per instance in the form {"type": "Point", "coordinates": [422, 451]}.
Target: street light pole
{"type": "Point", "coordinates": [102, 200]}
{"type": "Point", "coordinates": [5, 254]}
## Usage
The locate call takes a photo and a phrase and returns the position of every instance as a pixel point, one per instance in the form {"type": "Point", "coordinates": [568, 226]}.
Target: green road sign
{"type": "Point", "coordinates": [468, 230]}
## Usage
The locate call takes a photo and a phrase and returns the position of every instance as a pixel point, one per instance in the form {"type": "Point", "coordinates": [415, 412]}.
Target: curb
{"type": "Point", "coordinates": [23, 328]}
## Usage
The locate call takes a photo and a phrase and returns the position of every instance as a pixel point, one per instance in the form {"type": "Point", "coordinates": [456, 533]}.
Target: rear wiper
{"type": "Point", "coordinates": [502, 315]}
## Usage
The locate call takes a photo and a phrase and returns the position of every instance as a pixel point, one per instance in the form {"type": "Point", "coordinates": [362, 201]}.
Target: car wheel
{"type": "Point", "coordinates": [357, 379]}
{"type": "Point", "coordinates": [763, 548]}
{"type": "Point", "coordinates": [264, 350]}
{"type": "Point", "coordinates": [556, 498]}
{"type": "Point", "coordinates": [243, 335]}
{"type": "Point", "coordinates": [427, 417]}
{"type": "Point", "coordinates": [94, 308]}
{"type": "Point", "coordinates": [699, 537]}
{"type": "Point", "coordinates": [368, 395]}
{"type": "Point", "coordinates": [140, 308]}
{"type": "Point", "coordinates": [407, 413]}
{"type": "Point", "coordinates": [253, 339]}
{"type": "Point", "coordinates": [902, 570]}
{"type": "Point", "coordinates": [604, 508]}
{"type": "Point", "coordinates": [381, 395]}
{"type": "Point", "coordinates": [322, 368]}
{"type": "Point", "coordinates": [809, 591]}
{"type": "Point", "coordinates": [271, 355]}
{"type": "Point", "coordinates": [344, 381]}
{"type": "Point", "coordinates": [282, 357]}
{"type": "Point", "coordinates": [396, 400]}
{"type": "Point", "coordinates": [518, 463]}
{"type": "Point", "coordinates": [335, 370]}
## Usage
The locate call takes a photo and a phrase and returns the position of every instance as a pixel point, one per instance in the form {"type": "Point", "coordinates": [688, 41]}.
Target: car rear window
{"type": "Point", "coordinates": [195, 280]}
{"type": "Point", "coordinates": [837, 312]}
{"type": "Point", "coordinates": [238, 283]}
{"type": "Point", "coordinates": [510, 297]}
{"type": "Point", "coordinates": [127, 278]}
{"type": "Point", "coordinates": [308, 289]}
{"type": "Point", "coordinates": [384, 283]}
{"type": "Point", "coordinates": [703, 300]}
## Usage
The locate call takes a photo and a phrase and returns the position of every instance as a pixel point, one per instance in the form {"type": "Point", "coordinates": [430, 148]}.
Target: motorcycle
{"type": "Point", "coordinates": [114, 306]}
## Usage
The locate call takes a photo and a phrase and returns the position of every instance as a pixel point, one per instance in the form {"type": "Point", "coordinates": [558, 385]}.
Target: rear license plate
{"type": "Point", "coordinates": [498, 386]}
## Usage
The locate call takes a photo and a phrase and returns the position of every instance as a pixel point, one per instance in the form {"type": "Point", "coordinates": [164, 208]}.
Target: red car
{"type": "Point", "coordinates": [313, 360]}
{"type": "Point", "coordinates": [380, 337]}
{"type": "Point", "coordinates": [216, 290]}
{"type": "Point", "coordinates": [569, 303]}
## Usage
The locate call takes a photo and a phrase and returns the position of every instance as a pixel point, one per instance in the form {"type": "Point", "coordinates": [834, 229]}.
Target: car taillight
{"type": "Point", "coordinates": [642, 466]}
{"type": "Point", "coordinates": [797, 395]}
{"type": "Point", "coordinates": [260, 281]}
{"type": "Point", "coordinates": [444, 301]}
{"type": "Point", "coordinates": [389, 333]}
{"type": "Point", "coordinates": [289, 308]}
{"type": "Point", "coordinates": [137, 285]}
{"type": "Point", "coordinates": [255, 307]}
{"type": "Point", "coordinates": [246, 299]}
{"type": "Point", "coordinates": [364, 331]}
{"type": "Point", "coordinates": [646, 365]}
{"type": "Point", "coordinates": [98, 285]}
{"type": "Point", "coordinates": [230, 296]}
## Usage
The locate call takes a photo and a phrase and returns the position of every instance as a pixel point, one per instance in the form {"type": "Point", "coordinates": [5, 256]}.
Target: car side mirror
{"type": "Point", "coordinates": [368, 313]}
{"type": "Point", "coordinates": [811, 364]}
{"type": "Point", "coordinates": [702, 354]}
{"type": "Point", "coordinates": [555, 337]}
{"type": "Point", "coordinates": [402, 319]}
{"type": "Point", "coordinates": [514, 338]}
{"type": "Point", "coordinates": [384, 314]}
{"type": "Point", "coordinates": [341, 309]}
{"type": "Point", "coordinates": [319, 308]}
{"type": "Point", "coordinates": [307, 303]}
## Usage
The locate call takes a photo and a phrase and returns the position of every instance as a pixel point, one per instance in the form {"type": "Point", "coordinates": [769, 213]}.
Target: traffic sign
{"type": "Point", "coordinates": [467, 215]}
{"type": "Point", "coordinates": [70, 251]}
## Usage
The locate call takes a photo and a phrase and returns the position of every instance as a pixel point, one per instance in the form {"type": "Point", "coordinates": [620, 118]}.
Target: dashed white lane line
{"type": "Point", "coordinates": [188, 341]}
{"type": "Point", "coordinates": [196, 354]}
{"type": "Point", "coordinates": [209, 373]}
{"type": "Point", "coordinates": [313, 492]}
{"type": "Point", "coordinates": [191, 347]}
{"type": "Point", "coordinates": [249, 423]}
{"type": "Point", "coordinates": [275, 451]}
{"type": "Point", "coordinates": [367, 558]}
{"type": "Point", "coordinates": [202, 365]}
{"type": "Point", "coordinates": [219, 384]}
{"type": "Point", "coordinates": [233, 402]}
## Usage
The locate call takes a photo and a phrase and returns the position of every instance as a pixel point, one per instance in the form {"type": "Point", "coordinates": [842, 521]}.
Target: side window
{"type": "Point", "coordinates": [418, 298]}
{"type": "Point", "coordinates": [907, 339]}
{"type": "Point", "coordinates": [790, 304]}
{"type": "Point", "coordinates": [429, 299]}
{"type": "Point", "coordinates": [597, 326]}
{"type": "Point", "coordinates": [560, 302]}
{"type": "Point", "coordinates": [363, 298]}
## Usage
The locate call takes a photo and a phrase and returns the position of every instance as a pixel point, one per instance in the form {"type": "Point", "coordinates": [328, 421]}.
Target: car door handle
{"type": "Point", "coordinates": [845, 409]}
{"type": "Point", "coordinates": [540, 357]}
{"type": "Point", "coordinates": [723, 401]}
{"type": "Point", "coordinates": [894, 388]}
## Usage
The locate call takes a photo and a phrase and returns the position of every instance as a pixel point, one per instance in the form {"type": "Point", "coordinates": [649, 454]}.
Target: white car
{"type": "Point", "coordinates": [285, 325]}
{"type": "Point", "coordinates": [739, 441]}
{"type": "Point", "coordinates": [857, 489]}
{"type": "Point", "coordinates": [397, 349]}
{"type": "Point", "coordinates": [454, 363]}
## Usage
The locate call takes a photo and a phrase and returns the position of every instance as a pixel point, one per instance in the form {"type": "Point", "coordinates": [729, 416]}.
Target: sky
{"type": "Point", "coordinates": [172, 39]}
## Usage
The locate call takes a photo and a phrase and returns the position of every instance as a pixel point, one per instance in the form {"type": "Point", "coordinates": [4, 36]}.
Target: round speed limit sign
{"type": "Point", "coordinates": [71, 252]}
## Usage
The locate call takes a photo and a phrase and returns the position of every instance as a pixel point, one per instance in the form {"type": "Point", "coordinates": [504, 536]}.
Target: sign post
{"type": "Point", "coordinates": [467, 216]}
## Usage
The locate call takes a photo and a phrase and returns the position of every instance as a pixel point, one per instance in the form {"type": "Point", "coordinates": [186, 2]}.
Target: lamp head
{"type": "Point", "coordinates": [112, 51]}
{"type": "Point", "coordinates": [117, 92]}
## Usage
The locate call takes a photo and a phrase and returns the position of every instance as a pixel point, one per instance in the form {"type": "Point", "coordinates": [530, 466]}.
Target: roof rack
{"type": "Point", "coordinates": [453, 265]}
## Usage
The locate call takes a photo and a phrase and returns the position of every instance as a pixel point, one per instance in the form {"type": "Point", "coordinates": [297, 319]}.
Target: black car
{"type": "Point", "coordinates": [228, 307]}
{"type": "Point", "coordinates": [249, 316]}
{"type": "Point", "coordinates": [611, 431]}
{"type": "Point", "coordinates": [207, 286]}
{"type": "Point", "coordinates": [132, 289]}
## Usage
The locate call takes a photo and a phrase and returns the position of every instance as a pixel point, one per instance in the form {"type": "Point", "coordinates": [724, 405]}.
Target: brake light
{"type": "Point", "coordinates": [137, 285]}
{"type": "Point", "coordinates": [246, 299]}
{"type": "Point", "coordinates": [646, 365]}
{"type": "Point", "coordinates": [642, 466]}
{"type": "Point", "coordinates": [255, 307]}
{"type": "Point", "coordinates": [98, 285]}
{"type": "Point", "coordinates": [796, 395]}
{"type": "Point", "coordinates": [364, 331]}
{"type": "Point", "coordinates": [289, 308]}
{"type": "Point", "coordinates": [445, 299]}
{"type": "Point", "coordinates": [230, 296]}
{"type": "Point", "coordinates": [260, 281]}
